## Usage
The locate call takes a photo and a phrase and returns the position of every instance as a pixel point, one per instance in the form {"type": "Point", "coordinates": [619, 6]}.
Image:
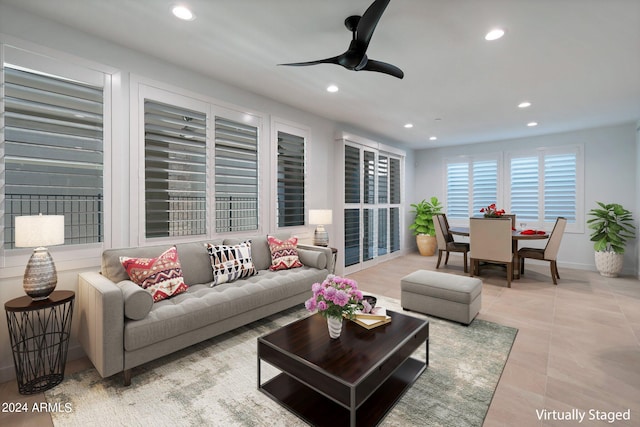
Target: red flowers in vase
{"type": "Point", "coordinates": [492, 212]}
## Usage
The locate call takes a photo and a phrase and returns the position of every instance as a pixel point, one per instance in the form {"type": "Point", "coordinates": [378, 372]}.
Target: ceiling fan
{"type": "Point", "coordinates": [355, 58]}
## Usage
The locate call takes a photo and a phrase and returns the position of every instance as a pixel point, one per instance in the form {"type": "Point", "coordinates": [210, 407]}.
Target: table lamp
{"type": "Point", "coordinates": [320, 218]}
{"type": "Point", "coordinates": [38, 231]}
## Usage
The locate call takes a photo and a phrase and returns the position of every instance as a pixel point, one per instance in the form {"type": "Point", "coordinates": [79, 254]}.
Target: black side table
{"type": "Point", "coordinates": [334, 254]}
{"type": "Point", "coordinates": [39, 332]}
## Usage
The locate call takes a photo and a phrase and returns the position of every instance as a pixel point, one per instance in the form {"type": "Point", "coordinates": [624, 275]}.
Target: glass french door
{"type": "Point", "coordinates": [371, 206]}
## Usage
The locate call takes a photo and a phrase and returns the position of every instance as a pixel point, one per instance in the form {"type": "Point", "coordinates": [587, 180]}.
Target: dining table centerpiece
{"type": "Point", "coordinates": [336, 298]}
{"type": "Point", "coordinates": [491, 211]}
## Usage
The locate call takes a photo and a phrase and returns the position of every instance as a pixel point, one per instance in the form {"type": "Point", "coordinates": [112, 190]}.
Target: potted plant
{"type": "Point", "coordinates": [423, 227]}
{"type": "Point", "coordinates": [612, 225]}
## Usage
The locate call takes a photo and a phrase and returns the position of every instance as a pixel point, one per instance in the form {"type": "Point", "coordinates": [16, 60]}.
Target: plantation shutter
{"type": "Point", "coordinates": [394, 228]}
{"type": "Point", "coordinates": [369, 168]}
{"type": "Point", "coordinates": [351, 174]}
{"type": "Point", "coordinates": [175, 171]}
{"type": "Point", "coordinates": [383, 179]}
{"type": "Point", "coordinates": [351, 237]}
{"type": "Point", "coordinates": [394, 182]}
{"type": "Point", "coordinates": [560, 191]}
{"type": "Point", "coordinates": [524, 188]}
{"type": "Point", "coordinates": [383, 231]}
{"type": "Point", "coordinates": [458, 190]}
{"type": "Point", "coordinates": [485, 184]}
{"type": "Point", "coordinates": [395, 199]}
{"type": "Point", "coordinates": [53, 152]}
{"type": "Point", "coordinates": [291, 202]}
{"type": "Point", "coordinates": [236, 176]}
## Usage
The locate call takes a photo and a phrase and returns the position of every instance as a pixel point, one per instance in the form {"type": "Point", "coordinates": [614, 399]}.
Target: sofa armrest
{"type": "Point", "coordinates": [101, 311]}
{"type": "Point", "coordinates": [322, 249]}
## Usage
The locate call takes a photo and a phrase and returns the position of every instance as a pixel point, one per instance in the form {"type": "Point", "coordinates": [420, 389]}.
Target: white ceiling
{"type": "Point", "coordinates": [577, 61]}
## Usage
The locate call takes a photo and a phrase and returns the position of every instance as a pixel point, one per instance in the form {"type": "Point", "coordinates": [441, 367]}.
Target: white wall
{"type": "Point", "coordinates": [637, 210]}
{"type": "Point", "coordinates": [611, 164]}
{"type": "Point", "coordinates": [34, 33]}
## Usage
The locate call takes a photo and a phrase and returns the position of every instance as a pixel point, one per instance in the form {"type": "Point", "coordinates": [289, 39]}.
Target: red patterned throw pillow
{"type": "Point", "coordinates": [284, 253]}
{"type": "Point", "coordinates": [161, 276]}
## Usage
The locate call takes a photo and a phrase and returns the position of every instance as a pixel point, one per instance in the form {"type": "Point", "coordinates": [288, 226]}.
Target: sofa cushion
{"type": "Point", "coordinates": [311, 258]}
{"type": "Point", "coordinates": [202, 305]}
{"type": "Point", "coordinates": [137, 301]}
{"type": "Point", "coordinates": [196, 264]}
{"type": "Point", "coordinates": [260, 253]}
{"type": "Point", "coordinates": [161, 276]}
{"type": "Point", "coordinates": [231, 262]}
{"type": "Point", "coordinates": [284, 253]}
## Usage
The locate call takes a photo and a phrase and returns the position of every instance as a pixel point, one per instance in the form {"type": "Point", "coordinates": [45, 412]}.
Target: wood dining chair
{"type": "Point", "coordinates": [512, 217]}
{"type": "Point", "coordinates": [549, 252]}
{"type": "Point", "coordinates": [490, 241]}
{"type": "Point", "coordinates": [446, 243]}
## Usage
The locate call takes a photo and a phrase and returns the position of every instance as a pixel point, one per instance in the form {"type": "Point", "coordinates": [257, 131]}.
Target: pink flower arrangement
{"type": "Point", "coordinates": [334, 297]}
{"type": "Point", "coordinates": [491, 211]}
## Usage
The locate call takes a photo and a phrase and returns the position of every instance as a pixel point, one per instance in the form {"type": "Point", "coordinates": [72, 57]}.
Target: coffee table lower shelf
{"type": "Point", "coordinates": [319, 410]}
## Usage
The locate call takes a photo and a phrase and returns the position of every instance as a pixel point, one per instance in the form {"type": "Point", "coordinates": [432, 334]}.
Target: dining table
{"type": "Point", "coordinates": [516, 236]}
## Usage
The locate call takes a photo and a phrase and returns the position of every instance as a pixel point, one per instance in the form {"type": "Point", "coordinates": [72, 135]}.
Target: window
{"type": "Point", "coordinates": [545, 185]}
{"type": "Point", "coordinates": [542, 185]}
{"type": "Point", "coordinates": [236, 176]}
{"type": "Point", "coordinates": [372, 196]}
{"type": "Point", "coordinates": [53, 147]}
{"type": "Point", "coordinates": [200, 166]}
{"type": "Point", "coordinates": [471, 185]}
{"type": "Point", "coordinates": [175, 170]}
{"type": "Point", "coordinates": [291, 184]}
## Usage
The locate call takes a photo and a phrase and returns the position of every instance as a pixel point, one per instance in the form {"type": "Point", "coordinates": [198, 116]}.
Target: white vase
{"type": "Point", "coordinates": [335, 326]}
{"type": "Point", "coordinates": [609, 264]}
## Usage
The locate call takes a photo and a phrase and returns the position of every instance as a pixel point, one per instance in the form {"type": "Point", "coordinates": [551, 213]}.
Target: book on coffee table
{"type": "Point", "coordinates": [377, 317]}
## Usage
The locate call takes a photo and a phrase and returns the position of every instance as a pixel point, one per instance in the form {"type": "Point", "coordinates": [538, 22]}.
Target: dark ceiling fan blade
{"type": "Point", "coordinates": [383, 67]}
{"type": "Point", "coordinates": [355, 58]}
{"type": "Point", "coordinates": [369, 20]}
{"type": "Point", "coordinates": [333, 60]}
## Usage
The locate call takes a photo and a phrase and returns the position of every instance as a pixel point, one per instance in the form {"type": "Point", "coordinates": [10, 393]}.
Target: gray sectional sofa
{"type": "Point", "coordinates": [121, 327]}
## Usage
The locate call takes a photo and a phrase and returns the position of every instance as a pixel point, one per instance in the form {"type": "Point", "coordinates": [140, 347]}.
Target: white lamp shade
{"type": "Point", "coordinates": [39, 230]}
{"type": "Point", "coordinates": [320, 216]}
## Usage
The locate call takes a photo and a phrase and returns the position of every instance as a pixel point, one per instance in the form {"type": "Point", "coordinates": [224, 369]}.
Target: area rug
{"type": "Point", "coordinates": [214, 383]}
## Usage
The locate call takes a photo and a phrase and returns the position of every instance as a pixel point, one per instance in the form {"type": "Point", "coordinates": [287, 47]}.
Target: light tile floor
{"type": "Point", "coordinates": [578, 343]}
{"type": "Point", "coordinates": [577, 348]}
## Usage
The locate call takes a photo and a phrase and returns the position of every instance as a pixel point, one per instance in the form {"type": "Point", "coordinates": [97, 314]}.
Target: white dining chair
{"type": "Point", "coordinates": [490, 241]}
{"type": "Point", "coordinates": [549, 252]}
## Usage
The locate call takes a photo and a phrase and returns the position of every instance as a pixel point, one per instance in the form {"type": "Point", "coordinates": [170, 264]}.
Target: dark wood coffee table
{"type": "Point", "coordinates": [353, 380]}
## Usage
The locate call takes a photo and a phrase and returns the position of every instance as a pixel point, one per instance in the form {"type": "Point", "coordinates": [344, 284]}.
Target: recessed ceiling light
{"type": "Point", "coordinates": [409, 125]}
{"type": "Point", "coordinates": [332, 88]}
{"type": "Point", "coordinates": [433, 138]}
{"type": "Point", "coordinates": [494, 34]}
{"type": "Point", "coordinates": [182, 12]}
{"type": "Point", "coordinates": [524, 104]}
{"type": "Point", "coordinates": [532, 124]}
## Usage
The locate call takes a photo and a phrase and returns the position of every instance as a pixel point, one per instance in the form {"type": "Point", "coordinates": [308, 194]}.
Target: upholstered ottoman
{"type": "Point", "coordinates": [449, 296]}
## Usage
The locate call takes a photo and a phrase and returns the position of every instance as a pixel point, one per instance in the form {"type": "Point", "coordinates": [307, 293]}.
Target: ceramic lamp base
{"type": "Point", "coordinates": [40, 276]}
{"type": "Point", "coordinates": [320, 236]}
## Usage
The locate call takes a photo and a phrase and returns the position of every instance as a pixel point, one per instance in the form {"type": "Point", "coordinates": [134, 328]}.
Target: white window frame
{"type": "Point", "coordinates": [292, 128]}
{"type": "Point", "coordinates": [572, 227]}
{"type": "Point", "coordinates": [142, 88]}
{"type": "Point", "coordinates": [30, 56]}
{"type": "Point", "coordinates": [469, 160]}
{"type": "Point", "coordinates": [378, 149]}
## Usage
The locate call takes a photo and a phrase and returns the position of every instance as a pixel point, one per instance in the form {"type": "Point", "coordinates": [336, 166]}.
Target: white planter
{"type": "Point", "coordinates": [609, 264]}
